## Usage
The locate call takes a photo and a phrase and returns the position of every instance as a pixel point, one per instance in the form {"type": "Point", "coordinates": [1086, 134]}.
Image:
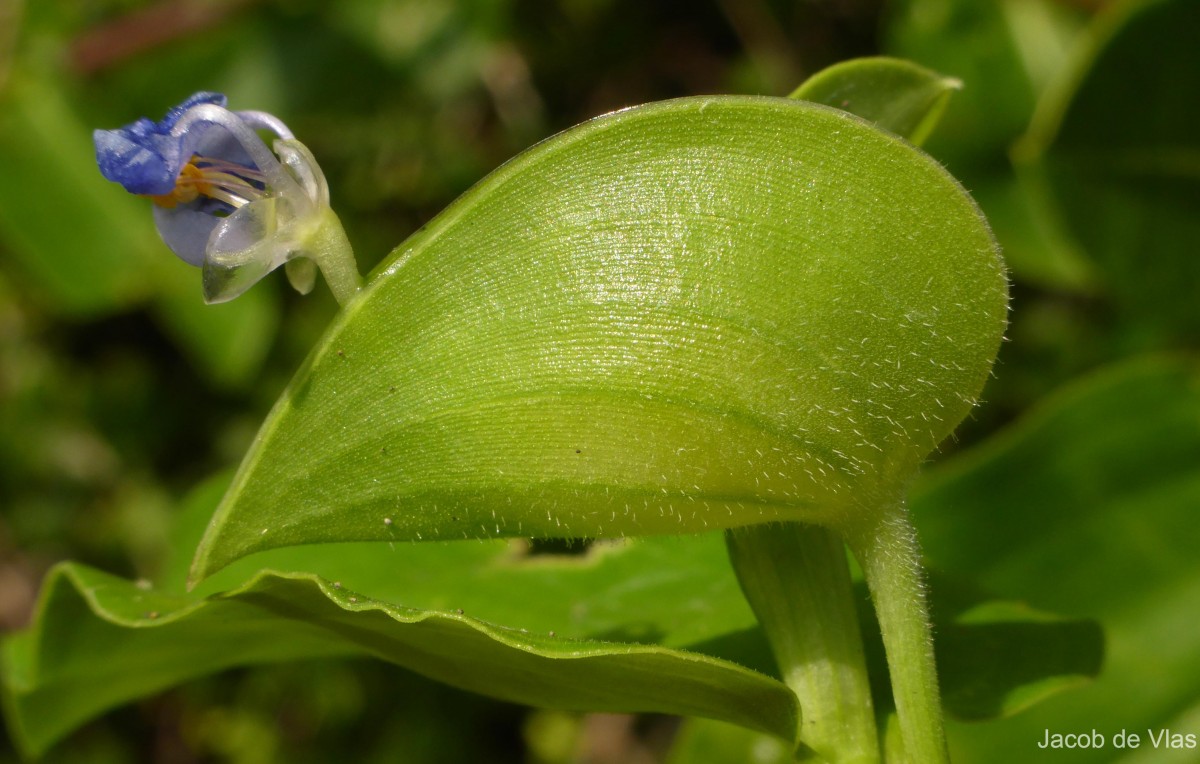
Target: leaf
{"type": "Point", "coordinates": [894, 94]}
{"type": "Point", "coordinates": [694, 314]}
{"type": "Point", "coordinates": [1087, 508]}
{"type": "Point", "coordinates": [1036, 247]}
{"type": "Point", "coordinates": [94, 643]}
{"type": "Point", "coordinates": [74, 664]}
{"type": "Point", "coordinates": [1116, 146]}
{"type": "Point", "coordinates": [670, 591]}
{"type": "Point", "coordinates": [998, 657]}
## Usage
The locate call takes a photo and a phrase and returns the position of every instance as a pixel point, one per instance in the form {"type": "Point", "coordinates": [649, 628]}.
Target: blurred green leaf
{"type": "Point", "coordinates": [702, 741]}
{"type": "Point", "coordinates": [1126, 438]}
{"type": "Point", "coordinates": [998, 657]}
{"type": "Point", "coordinates": [1087, 508]}
{"type": "Point", "coordinates": [83, 247]}
{"type": "Point", "coordinates": [1004, 52]}
{"type": "Point", "coordinates": [973, 42]}
{"type": "Point", "coordinates": [623, 331]}
{"type": "Point", "coordinates": [227, 343]}
{"type": "Point", "coordinates": [1035, 245]}
{"type": "Point", "coordinates": [896, 95]}
{"type": "Point", "coordinates": [1117, 144]}
{"type": "Point", "coordinates": [995, 659]}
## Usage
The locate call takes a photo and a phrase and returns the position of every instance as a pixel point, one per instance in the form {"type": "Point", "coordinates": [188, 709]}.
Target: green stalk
{"type": "Point", "coordinates": [797, 580]}
{"type": "Point", "coordinates": [891, 561]}
{"type": "Point", "coordinates": [331, 251]}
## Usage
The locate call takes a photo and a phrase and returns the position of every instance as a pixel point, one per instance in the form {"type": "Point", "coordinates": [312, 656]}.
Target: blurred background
{"type": "Point", "coordinates": [120, 390]}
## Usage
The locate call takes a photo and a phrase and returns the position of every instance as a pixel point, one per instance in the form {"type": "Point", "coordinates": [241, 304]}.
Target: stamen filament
{"type": "Point", "coordinates": [233, 168]}
{"type": "Point", "coordinates": [223, 180]}
{"type": "Point", "coordinates": [219, 179]}
{"type": "Point", "coordinates": [221, 195]}
{"type": "Point", "coordinates": [260, 156]}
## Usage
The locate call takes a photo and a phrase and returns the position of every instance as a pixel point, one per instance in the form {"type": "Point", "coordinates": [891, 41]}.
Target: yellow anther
{"type": "Point", "coordinates": [218, 179]}
{"type": "Point", "coordinates": [190, 184]}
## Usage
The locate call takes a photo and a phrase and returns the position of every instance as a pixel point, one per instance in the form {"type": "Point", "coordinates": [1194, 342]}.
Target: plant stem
{"type": "Point", "coordinates": [887, 550]}
{"type": "Point", "coordinates": [797, 580]}
{"type": "Point", "coordinates": [331, 251]}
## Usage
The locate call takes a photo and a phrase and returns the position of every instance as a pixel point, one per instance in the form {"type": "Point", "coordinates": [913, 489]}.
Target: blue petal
{"type": "Point", "coordinates": [142, 164]}
{"type": "Point", "coordinates": [143, 156]}
{"type": "Point", "coordinates": [194, 99]}
{"type": "Point", "coordinates": [185, 229]}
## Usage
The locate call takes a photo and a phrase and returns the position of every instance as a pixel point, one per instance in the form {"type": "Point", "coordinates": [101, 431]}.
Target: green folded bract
{"type": "Point", "coordinates": [690, 315]}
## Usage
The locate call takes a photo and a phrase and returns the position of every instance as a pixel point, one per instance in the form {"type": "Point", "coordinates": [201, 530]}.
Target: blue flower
{"type": "Point", "coordinates": [144, 156]}
{"type": "Point", "coordinates": [227, 203]}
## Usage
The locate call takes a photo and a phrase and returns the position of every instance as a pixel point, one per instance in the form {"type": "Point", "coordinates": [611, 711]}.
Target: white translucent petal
{"type": "Point", "coordinates": [244, 227]}
{"type": "Point", "coordinates": [303, 166]}
{"type": "Point", "coordinates": [261, 120]}
{"type": "Point", "coordinates": [301, 273]}
{"type": "Point", "coordinates": [242, 249]}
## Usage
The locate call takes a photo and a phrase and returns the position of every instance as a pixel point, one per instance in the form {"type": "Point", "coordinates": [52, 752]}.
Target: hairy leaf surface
{"type": "Point", "coordinates": [695, 314]}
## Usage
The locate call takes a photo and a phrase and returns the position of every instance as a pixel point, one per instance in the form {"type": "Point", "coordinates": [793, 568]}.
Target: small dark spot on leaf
{"type": "Point", "coordinates": [341, 353]}
{"type": "Point", "coordinates": [459, 611]}
{"type": "Point", "coordinates": [570, 547]}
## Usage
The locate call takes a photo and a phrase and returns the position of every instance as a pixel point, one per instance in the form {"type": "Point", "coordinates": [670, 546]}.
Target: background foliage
{"type": "Point", "coordinates": [1072, 489]}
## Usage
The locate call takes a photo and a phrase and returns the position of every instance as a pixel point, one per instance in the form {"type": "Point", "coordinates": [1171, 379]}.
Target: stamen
{"type": "Point", "coordinates": [221, 195]}
{"type": "Point", "coordinates": [219, 179]}
{"type": "Point", "coordinates": [233, 168]}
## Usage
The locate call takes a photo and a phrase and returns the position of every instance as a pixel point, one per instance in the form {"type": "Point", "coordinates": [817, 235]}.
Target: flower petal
{"type": "Point", "coordinates": [303, 166]}
{"type": "Point", "coordinates": [195, 99]}
{"type": "Point", "coordinates": [142, 164]}
{"type": "Point", "coordinates": [186, 229]}
{"type": "Point", "coordinates": [301, 274]}
{"type": "Point", "coordinates": [242, 249]}
{"type": "Point", "coordinates": [144, 156]}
